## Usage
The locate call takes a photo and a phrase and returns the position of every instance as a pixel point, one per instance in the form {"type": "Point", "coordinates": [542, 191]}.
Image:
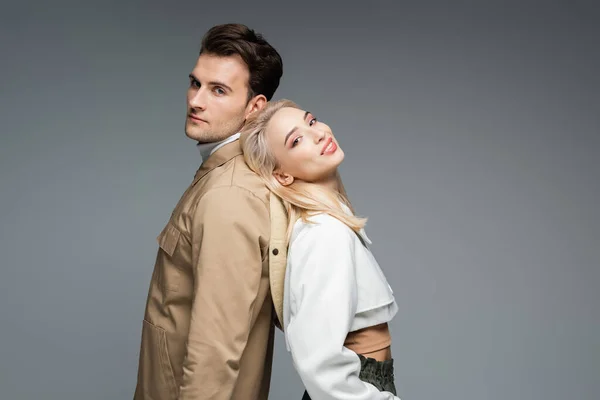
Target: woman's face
{"type": "Point", "coordinates": [304, 148]}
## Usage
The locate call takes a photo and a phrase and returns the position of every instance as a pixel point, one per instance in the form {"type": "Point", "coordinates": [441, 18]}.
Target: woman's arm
{"type": "Point", "coordinates": [324, 291]}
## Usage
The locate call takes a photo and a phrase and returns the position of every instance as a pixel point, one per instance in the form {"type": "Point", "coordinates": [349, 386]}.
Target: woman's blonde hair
{"type": "Point", "coordinates": [301, 199]}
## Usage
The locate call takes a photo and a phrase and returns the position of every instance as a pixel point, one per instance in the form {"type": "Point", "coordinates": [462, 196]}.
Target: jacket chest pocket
{"type": "Point", "coordinates": [168, 238]}
{"type": "Point", "coordinates": [168, 241]}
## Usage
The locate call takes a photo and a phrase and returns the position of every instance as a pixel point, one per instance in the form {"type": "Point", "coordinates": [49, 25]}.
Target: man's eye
{"type": "Point", "coordinates": [312, 121]}
{"type": "Point", "coordinates": [219, 91]}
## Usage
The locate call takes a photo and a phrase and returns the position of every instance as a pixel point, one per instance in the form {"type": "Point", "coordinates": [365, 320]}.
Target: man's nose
{"type": "Point", "coordinates": [198, 99]}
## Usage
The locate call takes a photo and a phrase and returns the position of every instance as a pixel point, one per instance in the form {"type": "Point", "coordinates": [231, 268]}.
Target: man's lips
{"type": "Point", "coordinates": [196, 118]}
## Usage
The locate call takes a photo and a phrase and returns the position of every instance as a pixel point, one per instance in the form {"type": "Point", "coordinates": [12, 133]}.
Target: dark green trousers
{"type": "Point", "coordinates": [378, 373]}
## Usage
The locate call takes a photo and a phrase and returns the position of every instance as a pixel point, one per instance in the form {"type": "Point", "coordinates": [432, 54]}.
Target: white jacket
{"type": "Point", "coordinates": [333, 286]}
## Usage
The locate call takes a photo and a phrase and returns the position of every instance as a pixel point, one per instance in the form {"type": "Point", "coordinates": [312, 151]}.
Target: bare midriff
{"type": "Point", "coordinates": [371, 342]}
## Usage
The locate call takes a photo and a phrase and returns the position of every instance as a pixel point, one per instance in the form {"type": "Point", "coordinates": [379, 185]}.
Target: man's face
{"type": "Point", "coordinates": [217, 98]}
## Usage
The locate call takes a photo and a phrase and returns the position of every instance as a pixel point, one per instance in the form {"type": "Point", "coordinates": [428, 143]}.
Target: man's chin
{"type": "Point", "coordinates": [194, 134]}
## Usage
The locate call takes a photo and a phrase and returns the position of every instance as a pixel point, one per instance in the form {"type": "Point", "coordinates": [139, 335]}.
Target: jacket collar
{"type": "Point", "coordinates": [218, 158]}
{"type": "Point", "coordinates": [361, 233]}
{"type": "Point", "coordinates": [206, 149]}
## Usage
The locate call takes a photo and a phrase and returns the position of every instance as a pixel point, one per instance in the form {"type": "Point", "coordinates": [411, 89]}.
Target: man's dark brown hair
{"type": "Point", "coordinates": [263, 61]}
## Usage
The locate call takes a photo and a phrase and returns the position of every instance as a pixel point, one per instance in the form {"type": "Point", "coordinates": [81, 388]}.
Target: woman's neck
{"type": "Point", "coordinates": [330, 183]}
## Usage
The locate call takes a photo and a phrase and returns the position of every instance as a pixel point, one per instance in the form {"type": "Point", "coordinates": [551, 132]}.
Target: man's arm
{"type": "Point", "coordinates": [228, 226]}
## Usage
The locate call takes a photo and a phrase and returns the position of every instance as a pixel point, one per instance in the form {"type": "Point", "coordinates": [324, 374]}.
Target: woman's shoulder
{"type": "Point", "coordinates": [321, 225]}
{"type": "Point", "coordinates": [321, 221]}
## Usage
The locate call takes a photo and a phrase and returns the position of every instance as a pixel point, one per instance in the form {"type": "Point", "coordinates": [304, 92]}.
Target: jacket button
{"type": "Point", "coordinates": [275, 252]}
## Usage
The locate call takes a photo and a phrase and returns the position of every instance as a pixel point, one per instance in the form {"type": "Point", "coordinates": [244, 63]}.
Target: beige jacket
{"type": "Point", "coordinates": [208, 331]}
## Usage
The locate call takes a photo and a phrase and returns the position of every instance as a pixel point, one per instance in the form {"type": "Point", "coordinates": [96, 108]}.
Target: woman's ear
{"type": "Point", "coordinates": [283, 178]}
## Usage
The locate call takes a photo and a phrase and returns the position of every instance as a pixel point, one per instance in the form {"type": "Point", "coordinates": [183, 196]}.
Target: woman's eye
{"type": "Point", "coordinates": [312, 122]}
{"type": "Point", "coordinates": [296, 141]}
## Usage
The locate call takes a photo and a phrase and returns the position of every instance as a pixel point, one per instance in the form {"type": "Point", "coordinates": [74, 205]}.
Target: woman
{"type": "Point", "coordinates": [337, 302]}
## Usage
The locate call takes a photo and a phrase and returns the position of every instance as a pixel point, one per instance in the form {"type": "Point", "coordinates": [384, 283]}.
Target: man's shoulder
{"type": "Point", "coordinates": [240, 178]}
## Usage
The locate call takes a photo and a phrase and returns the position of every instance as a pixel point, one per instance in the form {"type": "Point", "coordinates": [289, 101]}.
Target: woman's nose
{"type": "Point", "coordinates": [318, 135]}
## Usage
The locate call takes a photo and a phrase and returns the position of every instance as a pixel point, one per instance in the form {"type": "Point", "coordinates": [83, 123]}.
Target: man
{"type": "Point", "coordinates": [207, 331]}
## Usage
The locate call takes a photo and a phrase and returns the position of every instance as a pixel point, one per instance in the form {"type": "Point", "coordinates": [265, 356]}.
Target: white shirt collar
{"type": "Point", "coordinates": [206, 149]}
{"type": "Point", "coordinates": [361, 232]}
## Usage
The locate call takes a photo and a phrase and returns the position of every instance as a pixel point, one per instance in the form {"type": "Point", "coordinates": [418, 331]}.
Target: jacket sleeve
{"type": "Point", "coordinates": [230, 225]}
{"type": "Point", "coordinates": [324, 299]}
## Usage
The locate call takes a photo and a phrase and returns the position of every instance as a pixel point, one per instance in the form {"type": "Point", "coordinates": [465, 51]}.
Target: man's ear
{"type": "Point", "coordinates": [283, 178]}
{"type": "Point", "coordinates": [255, 104]}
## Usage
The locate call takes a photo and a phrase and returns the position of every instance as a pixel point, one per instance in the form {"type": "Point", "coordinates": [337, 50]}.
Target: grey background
{"type": "Point", "coordinates": [471, 131]}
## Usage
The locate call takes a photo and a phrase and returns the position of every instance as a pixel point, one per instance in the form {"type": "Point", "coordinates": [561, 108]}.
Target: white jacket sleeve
{"type": "Point", "coordinates": [323, 303]}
